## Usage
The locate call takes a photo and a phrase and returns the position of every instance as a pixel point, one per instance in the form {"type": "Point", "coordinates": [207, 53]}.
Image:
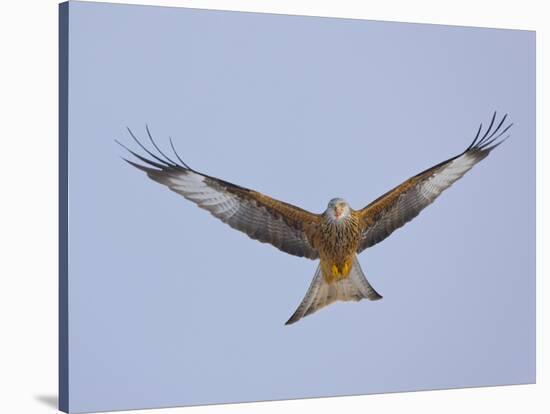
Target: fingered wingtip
{"type": "Point", "coordinates": [489, 138]}
{"type": "Point", "coordinates": [159, 160]}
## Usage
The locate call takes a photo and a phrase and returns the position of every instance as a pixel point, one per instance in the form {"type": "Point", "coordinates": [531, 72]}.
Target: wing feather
{"type": "Point", "coordinates": [400, 205]}
{"type": "Point", "coordinates": [285, 226]}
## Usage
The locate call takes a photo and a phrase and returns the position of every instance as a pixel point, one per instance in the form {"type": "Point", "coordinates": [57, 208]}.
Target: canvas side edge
{"type": "Point", "coordinates": [63, 316]}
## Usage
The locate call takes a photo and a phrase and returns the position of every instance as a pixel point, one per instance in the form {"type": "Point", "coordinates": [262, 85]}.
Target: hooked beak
{"type": "Point", "coordinates": [338, 211]}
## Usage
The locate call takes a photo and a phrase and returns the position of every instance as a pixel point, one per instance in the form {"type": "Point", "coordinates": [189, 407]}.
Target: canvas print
{"type": "Point", "coordinates": [303, 138]}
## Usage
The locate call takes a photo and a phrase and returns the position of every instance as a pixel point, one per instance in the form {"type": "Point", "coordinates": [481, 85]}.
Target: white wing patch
{"type": "Point", "coordinates": [443, 179]}
{"type": "Point", "coordinates": [193, 187]}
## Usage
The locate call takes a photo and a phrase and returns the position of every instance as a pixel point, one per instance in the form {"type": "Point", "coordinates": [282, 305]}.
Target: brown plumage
{"type": "Point", "coordinates": [335, 236]}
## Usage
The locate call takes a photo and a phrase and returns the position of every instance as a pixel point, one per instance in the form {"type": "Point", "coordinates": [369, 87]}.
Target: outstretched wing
{"type": "Point", "coordinates": [401, 204]}
{"type": "Point", "coordinates": [259, 216]}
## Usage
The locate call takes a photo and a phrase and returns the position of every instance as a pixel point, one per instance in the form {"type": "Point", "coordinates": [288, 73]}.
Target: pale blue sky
{"type": "Point", "coordinates": [168, 306]}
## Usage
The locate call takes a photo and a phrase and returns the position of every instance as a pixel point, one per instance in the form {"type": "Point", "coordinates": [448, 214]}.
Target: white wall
{"type": "Point", "coordinates": [28, 223]}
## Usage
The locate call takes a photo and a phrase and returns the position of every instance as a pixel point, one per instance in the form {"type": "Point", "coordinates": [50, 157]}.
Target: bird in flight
{"type": "Point", "coordinates": [337, 235]}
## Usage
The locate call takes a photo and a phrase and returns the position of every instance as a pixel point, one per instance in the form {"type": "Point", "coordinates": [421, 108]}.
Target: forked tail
{"type": "Point", "coordinates": [321, 293]}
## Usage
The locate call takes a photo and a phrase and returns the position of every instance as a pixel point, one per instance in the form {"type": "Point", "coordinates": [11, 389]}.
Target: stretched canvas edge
{"type": "Point", "coordinates": [63, 315]}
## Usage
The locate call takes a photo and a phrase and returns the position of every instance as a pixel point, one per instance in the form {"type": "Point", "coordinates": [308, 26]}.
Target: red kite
{"type": "Point", "coordinates": [337, 235]}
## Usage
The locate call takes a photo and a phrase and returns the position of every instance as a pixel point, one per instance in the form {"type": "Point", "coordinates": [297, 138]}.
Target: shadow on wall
{"type": "Point", "coordinates": [48, 400]}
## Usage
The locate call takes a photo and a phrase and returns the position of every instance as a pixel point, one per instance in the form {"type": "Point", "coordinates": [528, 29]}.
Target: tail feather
{"type": "Point", "coordinates": [320, 293]}
{"type": "Point", "coordinates": [361, 282]}
{"type": "Point", "coordinates": [312, 295]}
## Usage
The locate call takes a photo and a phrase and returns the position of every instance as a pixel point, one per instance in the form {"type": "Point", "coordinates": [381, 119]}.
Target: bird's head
{"type": "Point", "coordinates": [337, 209]}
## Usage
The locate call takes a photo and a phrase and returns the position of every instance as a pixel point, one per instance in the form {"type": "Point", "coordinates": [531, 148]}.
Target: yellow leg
{"type": "Point", "coordinates": [346, 269]}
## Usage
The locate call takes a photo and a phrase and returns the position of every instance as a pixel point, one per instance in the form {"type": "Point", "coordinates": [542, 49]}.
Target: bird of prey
{"type": "Point", "coordinates": [337, 235]}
